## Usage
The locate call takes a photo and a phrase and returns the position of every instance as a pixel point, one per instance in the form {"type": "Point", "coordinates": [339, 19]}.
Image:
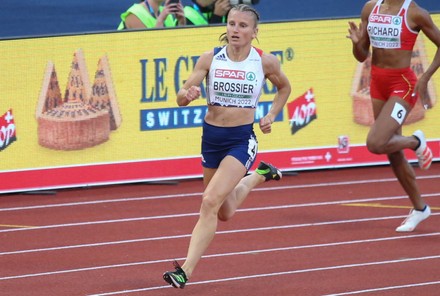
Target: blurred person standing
{"type": "Point", "coordinates": [391, 28]}
{"type": "Point", "coordinates": [235, 75]}
{"type": "Point", "coordinates": [204, 12]}
{"type": "Point", "coordinates": [153, 14]}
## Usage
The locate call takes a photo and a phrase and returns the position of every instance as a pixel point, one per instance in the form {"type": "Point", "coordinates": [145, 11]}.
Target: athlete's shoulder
{"type": "Point", "coordinates": [205, 59]}
{"type": "Point", "coordinates": [369, 6]}
{"type": "Point", "coordinates": [258, 50]}
{"type": "Point", "coordinates": [268, 57]}
{"type": "Point", "coordinates": [371, 3]}
{"type": "Point", "coordinates": [419, 16]}
{"type": "Point", "coordinates": [367, 9]}
{"type": "Point", "coordinates": [208, 54]}
{"type": "Point", "coordinates": [270, 63]}
{"type": "Point", "coordinates": [217, 49]}
{"type": "Point", "coordinates": [414, 8]}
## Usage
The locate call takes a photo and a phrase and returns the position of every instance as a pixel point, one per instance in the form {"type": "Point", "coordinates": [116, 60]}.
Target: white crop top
{"type": "Point", "coordinates": [235, 84]}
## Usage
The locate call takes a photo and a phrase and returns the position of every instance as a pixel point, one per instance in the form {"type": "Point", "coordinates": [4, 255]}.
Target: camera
{"type": "Point", "coordinates": [247, 2]}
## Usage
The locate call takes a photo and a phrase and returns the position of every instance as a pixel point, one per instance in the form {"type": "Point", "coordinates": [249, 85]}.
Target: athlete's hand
{"type": "Point", "coordinates": [354, 32]}
{"type": "Point", "coordinates": [193, 93]}
{"type": "Point", "coordinates": [266, 124]}
{"type": "Point", "coordinates": [421, 88]}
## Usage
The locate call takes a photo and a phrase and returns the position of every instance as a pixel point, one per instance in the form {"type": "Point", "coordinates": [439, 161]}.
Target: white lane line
{"type": "Point", "coordinates": [250, 252]}
{"type": "Point", "coordinates": [346, 266]}
{"type": "Point", "coordinates": [268, 228]}
{"type": "Point", "coordinates": [173, 216]}
{"type": "Point", "coordinates": [180, 195]}
{"type": "Point", "coordinates": [386, 288]}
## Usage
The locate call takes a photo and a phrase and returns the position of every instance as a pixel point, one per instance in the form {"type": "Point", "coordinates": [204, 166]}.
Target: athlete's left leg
{"type": "Point", "coordinates": [239, 194]}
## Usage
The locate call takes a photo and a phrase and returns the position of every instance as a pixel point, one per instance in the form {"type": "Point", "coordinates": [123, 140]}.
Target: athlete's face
{"type": "Point", "coordinates": [241, 27]}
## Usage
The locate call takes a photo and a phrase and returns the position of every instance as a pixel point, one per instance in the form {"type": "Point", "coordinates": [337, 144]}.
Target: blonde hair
{"type": "Point", "coordinates": [242, 8]}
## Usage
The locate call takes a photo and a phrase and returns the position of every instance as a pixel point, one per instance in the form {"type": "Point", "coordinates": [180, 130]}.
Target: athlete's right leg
{"type": "Point", "coordinates": [385, 138]}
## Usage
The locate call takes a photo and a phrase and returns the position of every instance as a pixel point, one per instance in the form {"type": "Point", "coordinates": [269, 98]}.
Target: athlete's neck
{"type": "Point", "coordinates": [393, 2]}
{"type": "Point", "coordinates": [238, 54]}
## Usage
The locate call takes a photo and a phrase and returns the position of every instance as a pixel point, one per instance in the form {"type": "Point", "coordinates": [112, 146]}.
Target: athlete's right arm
{"type": "Point", "coordinates": [191, 88]}
{"type": "Point", "coordinates": [359, 35]}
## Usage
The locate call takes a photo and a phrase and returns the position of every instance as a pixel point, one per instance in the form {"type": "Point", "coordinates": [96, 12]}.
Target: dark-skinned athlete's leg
{"type": "Point", "coordinates": [385, 137]}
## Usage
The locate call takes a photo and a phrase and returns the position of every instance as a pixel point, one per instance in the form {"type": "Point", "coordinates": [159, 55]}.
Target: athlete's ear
{"type": "Point", "coordinates": [255, 32]}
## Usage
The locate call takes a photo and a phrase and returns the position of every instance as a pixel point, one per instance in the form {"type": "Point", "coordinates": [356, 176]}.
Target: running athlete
{"type": "Point", "coordinates": [235, 75]}
{"type": "Point", "coordinates": [391, 28]}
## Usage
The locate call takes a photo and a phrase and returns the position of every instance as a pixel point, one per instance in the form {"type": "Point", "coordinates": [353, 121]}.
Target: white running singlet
{"type": "Point", "coordinates": [235, 84]}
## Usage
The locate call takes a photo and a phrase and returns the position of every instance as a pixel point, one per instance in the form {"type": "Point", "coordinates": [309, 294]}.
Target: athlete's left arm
{"type": "Point", "coordinates": [273, 72]}
{"type": "Point", "coordinates": [424, 22]}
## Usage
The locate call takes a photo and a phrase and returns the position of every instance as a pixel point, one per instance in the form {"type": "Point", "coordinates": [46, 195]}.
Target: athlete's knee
{"type": "Point", "coordinates": [227, 210]}
{"type": "Point", "coordinates": [375, 146]}
{"type": "Point", "coordinates": [210, 205]}
{"type": "Point", "coordinates": [224, 216]}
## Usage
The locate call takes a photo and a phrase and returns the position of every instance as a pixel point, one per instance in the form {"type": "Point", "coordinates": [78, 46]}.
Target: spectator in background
{"type": "Point", "coordinates": [204, 12]}
{"type": "Point", "coordinates": [153, 14]}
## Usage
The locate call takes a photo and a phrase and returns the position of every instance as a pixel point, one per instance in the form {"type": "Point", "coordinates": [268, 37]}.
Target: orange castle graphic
{"type": "Point", "coordinates": [86, 115]}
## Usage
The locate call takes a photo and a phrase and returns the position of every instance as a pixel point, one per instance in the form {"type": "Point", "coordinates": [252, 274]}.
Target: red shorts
{"type": "Point", "coordinates": [386, 83]}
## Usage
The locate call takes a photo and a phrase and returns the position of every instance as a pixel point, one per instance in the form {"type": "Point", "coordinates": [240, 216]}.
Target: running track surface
{"type": "Point", "coordinates": [328, 232]}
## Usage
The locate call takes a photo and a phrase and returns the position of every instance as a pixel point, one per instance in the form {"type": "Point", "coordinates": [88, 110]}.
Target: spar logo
{"type": "Point", "coordinates": [302, 111]}
{"type": "Point", "coordinates": [230, 74]}
{"type": "Point", "coordinates": [381, 19]}
{"type": "Point", "coordinates": [7, 130]}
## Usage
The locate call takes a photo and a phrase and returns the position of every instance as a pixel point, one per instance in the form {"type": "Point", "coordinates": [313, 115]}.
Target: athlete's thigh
{"type": "Point", "coordinates": [208, 173]}
{"type": "Point", "coordinates": [389, 117]}
{"type": "Point", "coordinates": [226, 177]}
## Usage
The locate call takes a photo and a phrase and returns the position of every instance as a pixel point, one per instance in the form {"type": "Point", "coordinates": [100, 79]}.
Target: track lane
{"type": "Point", "coordinates": [291, 222]}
